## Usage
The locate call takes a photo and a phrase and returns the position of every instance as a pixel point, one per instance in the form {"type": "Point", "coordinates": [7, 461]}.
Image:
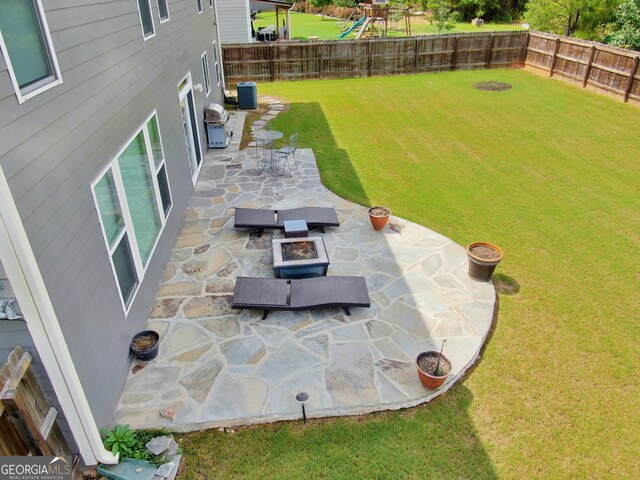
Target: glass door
{"type": "Point", "coordinates": [190, 126]}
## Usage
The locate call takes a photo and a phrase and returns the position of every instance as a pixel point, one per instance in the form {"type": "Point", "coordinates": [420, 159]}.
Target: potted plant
{"type": "Point", "coordinates": [483, 259]}
{"type": "Point", "coordinates": [145, 345]}
{"type": "Point", "coordinates": [379, 217]}
{"type": "Point", "coordinates": [433, 368]}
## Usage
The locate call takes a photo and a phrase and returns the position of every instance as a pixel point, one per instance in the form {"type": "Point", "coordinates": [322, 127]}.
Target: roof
{"type": "Point", "coordinates": [278, 3]}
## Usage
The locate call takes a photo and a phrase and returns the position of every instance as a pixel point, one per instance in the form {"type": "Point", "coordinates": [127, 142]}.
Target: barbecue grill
{"type": "Point", "coordinates": [216, 118]}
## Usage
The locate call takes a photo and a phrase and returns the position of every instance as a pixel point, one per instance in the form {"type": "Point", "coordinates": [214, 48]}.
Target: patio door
{"type": "Point", "coordinates": [190, 125]}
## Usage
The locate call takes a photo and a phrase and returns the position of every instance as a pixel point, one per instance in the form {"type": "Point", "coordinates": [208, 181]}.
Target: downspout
{"type": "Point", "coordinates": [21, 267]}
{"type": "Point", "coordinates": [219, 44]}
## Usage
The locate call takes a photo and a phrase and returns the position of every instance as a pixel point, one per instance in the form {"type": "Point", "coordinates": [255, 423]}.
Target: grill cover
{"type": "Point", "coordinates": [215, 113]}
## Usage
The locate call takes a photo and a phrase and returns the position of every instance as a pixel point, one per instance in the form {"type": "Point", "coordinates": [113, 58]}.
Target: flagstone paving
{"type": "Point", "coordinates": [222, 367]}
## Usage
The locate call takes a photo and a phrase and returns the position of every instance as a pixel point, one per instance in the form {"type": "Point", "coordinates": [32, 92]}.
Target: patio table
{"type": "Point", "coordinates": [268, 137]}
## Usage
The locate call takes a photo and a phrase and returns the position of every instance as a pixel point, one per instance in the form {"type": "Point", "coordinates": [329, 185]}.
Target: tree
{"type": "Point", "coordinates": [321, 4]}
{"type": "Point", "coordinates": [442, 17]}
{"type": "Point", "coordinates": [569, 17]}
{"type": "Point", "coordinates": [627, 26]}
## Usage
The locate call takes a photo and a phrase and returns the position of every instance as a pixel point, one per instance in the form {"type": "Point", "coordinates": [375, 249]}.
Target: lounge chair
{"type": "Point", "coordinates": [261, 219]}
{"type": "Point", "coordinates": [301, 294]}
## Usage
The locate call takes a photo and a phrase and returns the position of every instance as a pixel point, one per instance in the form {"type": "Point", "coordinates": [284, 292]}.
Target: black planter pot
{"type": "Point", "coordinates": [148, 352]}
{"type": "Point", "coordinates": [479, 268]}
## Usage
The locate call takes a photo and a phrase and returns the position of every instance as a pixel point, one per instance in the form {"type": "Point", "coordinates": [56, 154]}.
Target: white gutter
{"type": "Point", "coordinates": [28, 285]}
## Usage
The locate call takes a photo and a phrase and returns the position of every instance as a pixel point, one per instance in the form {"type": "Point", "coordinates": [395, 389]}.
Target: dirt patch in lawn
{"type": "Point", "coordinates": [493, 86]}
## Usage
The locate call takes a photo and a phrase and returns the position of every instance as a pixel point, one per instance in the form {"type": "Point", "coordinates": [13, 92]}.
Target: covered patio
{"type": "Point", "coordinates": [223, 367]}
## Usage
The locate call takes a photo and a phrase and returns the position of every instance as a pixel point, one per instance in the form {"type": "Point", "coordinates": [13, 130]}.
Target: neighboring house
{"type": "Point", "coordinates": [101, 141]}
{"type": "Point", "coordinates": [235, 18]}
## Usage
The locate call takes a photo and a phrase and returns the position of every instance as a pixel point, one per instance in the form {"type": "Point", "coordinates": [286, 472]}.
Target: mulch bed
{"type": "Point", "coordinates": [493, 86]}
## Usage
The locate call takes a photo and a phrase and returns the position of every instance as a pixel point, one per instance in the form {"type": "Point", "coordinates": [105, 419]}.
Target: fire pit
{"type": "Point", "coordinates": [300, 257]}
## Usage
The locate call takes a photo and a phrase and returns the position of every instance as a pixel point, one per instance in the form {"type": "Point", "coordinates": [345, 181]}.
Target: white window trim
{"type": "Point", "coordinates": [128, 229]}
{"type": "Point", "coordinates": [206, 72]}
{"type": "Point", "coordinates": [57, 75]}
{"type": "Point", "coordinates": [153, 25]}
{"type": "Point", "coordinates": [216, 62]}
{"type": "Point", "coordinates": [199, 6]}
{"type": "Point", "coordinates": [182, 94]}
{"type": "Point", "coordinates": [168, 12]}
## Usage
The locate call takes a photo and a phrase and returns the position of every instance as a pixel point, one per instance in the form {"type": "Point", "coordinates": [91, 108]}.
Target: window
{"type": "Point", "coordinates": [146, 20]}
{"type": "Point", "coordinates": [163, 10]}
{"type": "Point", "coordinates": [199, 2]}
{"type": "Point", "coordinates": [26, 44]}
{"type": "Point", "coordinates": [205, 73]}
{"type": "Point", "coordinates": [133, 201]}
{"type": "Point", "coordinates": [216, 63]}
{"type": "Point", "coordinates": [210, 3]}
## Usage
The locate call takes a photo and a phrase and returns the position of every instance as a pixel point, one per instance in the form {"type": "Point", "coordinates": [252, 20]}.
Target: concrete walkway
{"type": "Point", "coordinates": [224, 367]}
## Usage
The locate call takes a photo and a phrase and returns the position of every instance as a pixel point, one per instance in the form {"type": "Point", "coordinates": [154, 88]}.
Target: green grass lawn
{"type": "Point", "coordinates": [549, 172]}
{"type": "Point", "coordinates": [304, 25]}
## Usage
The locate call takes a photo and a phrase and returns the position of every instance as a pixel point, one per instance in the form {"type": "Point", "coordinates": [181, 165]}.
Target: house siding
{"type": "Point", "coordinates": [54, 145]}
{"type": "Point", "coordinates": [235, 24]}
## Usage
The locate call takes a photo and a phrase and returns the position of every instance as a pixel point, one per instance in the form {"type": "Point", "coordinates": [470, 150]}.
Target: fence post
{"type": "Point", "coordinates": [489, 55]}
{"type": "Point", "coordinates": [632, 75]}
{"type": "Point", "coordinates": [416, 47]}
{"type": "Point", "coordinates": [320, 59]}
{"type": "Point", "coordinates": [588, 71]}
{"type": "Point", "coordinates": [272, 67]}
{"type": "Point", "coordinates": [369, 58]}
{"type": "Point", "coordinates": [525, 50]}
{"type": "Point", "coordinates": [455, 51]}
{"type": "Point", "coordinates": [555, 57]}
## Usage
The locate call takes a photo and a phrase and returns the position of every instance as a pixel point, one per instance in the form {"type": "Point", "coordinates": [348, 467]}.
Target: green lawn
{"type": "Point", "coordinates": [549, 172]}
{"type": "Point", "coordinates": [304, 25]}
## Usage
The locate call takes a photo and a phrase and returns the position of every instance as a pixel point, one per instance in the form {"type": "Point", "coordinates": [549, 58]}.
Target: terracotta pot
{"type": "Point", "coordinates": [379, 217]}
{"type": "Point", "coordinates": [429, 380]}
{"type": "Point", "coordinates": [482, 269]}
{"type": "Point", "coordinates": [145, 352]}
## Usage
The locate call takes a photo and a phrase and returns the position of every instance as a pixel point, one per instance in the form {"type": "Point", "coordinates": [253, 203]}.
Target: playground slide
{"type": "Point", "coordinates": [352, 28]}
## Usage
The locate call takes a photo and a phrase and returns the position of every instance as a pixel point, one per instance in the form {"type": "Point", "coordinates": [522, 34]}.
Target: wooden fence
{"type": "Point", "coordinates": [372, 57]}
{"type": "Point", "coordinates": [589, 64]}
{"type": "Point", "coordinates": [28, 424]}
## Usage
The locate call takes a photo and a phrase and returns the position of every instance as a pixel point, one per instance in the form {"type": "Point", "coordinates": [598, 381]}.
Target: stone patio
{"type": "Point", "coordinates": [223, 367]}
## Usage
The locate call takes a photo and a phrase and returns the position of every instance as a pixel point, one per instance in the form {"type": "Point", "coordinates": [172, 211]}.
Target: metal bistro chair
{"type": "Point", "coordinates": [288, 151]}
{"type": "Point", "coordinates": [261, 146]}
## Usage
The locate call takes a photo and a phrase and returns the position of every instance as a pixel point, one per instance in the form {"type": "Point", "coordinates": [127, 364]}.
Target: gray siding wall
{"type": "Point", "coordinates": [54, 145]}
{"type": "Point", "coordinates": [14, 333]}
{"type": "Point", "coordinates": [235, 24]}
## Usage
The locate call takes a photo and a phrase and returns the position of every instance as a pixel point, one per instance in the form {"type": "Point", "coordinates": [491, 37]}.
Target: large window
{"type": "Point", "coordinates": [163, 10]}
{"type": "Point", "coordinates": [26, 45]}
{"type": "Point", "coordinates": [146, 19]}
{"type": "Point", "coordinates": [205, 73]}
{"type": "Point", "coordinates": [133, 200]}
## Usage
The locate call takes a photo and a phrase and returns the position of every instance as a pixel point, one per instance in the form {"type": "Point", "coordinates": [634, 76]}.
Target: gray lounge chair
{"type": "Point", "coordinates": [262, 219]}
{"type": "Point", "coordinates": [301, 294]}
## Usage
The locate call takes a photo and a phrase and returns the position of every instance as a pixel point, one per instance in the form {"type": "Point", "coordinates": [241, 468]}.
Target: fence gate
{"type": "Point", "coordinates": [28, 423]}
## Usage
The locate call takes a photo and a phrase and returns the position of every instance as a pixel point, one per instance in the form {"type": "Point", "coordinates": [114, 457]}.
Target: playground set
{"type": "Point", "coordinates": [371, 18]}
